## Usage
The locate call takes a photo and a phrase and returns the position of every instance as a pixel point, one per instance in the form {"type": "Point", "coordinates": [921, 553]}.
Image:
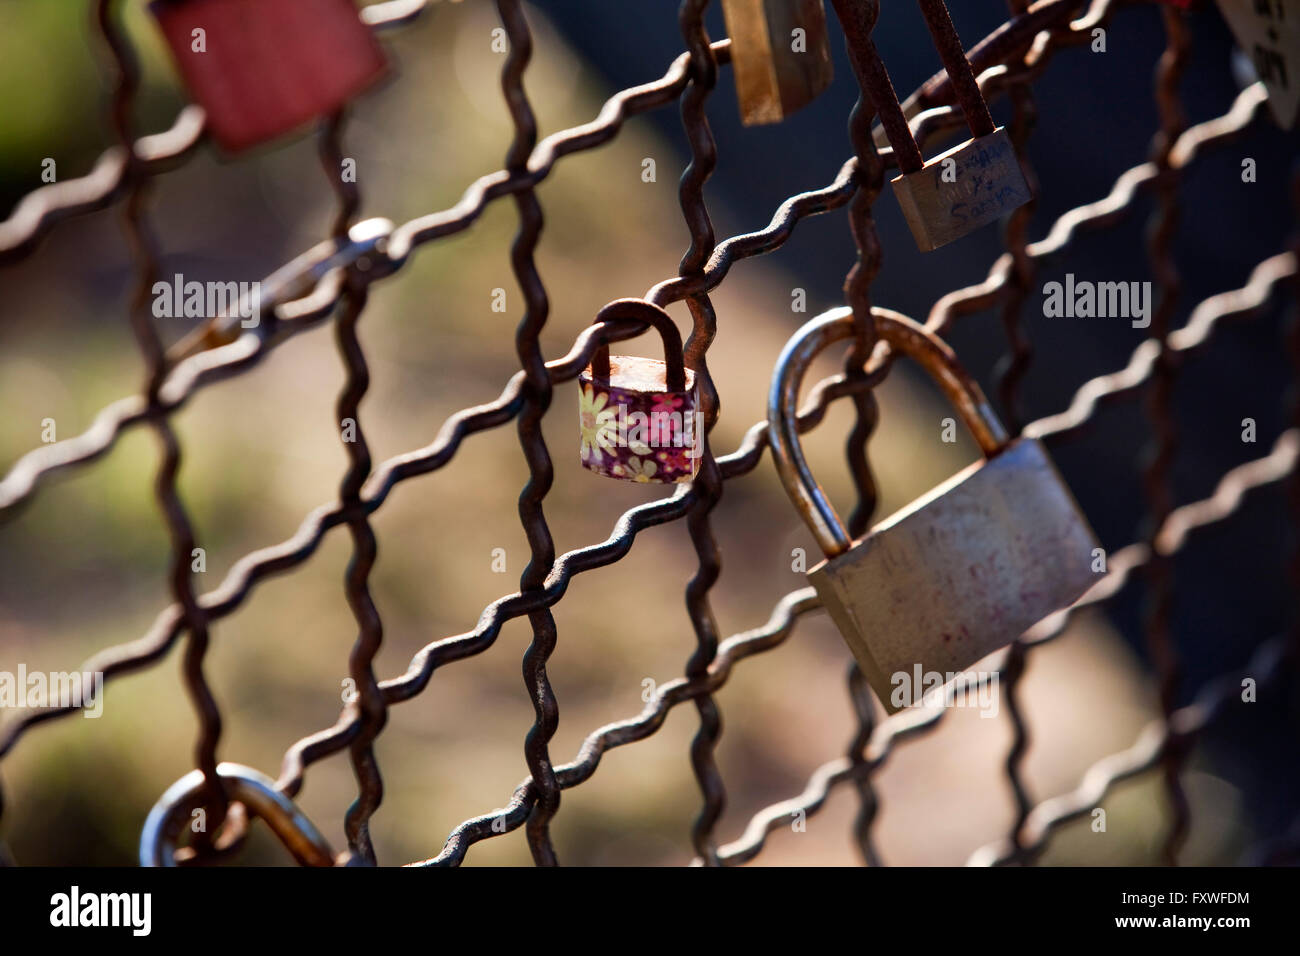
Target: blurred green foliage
{"type": "Point", "coordinates": [52, 67]}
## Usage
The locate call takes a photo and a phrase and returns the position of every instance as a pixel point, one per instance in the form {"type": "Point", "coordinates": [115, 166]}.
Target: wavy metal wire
{"type": "Point", "coordinates": [331, 281]}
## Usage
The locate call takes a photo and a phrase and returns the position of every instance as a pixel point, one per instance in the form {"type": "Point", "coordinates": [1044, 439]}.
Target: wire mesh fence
{"type": "Point", "coordinates": [330, 283]}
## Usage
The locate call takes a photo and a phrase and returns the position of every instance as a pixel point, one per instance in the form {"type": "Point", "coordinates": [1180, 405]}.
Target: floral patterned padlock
{"type": "Point", "coordinates": [638, 416]}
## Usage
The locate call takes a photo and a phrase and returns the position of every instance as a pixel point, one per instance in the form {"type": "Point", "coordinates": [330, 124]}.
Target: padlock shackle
{"type": "Point", "coordinates": [957, 65]}
{"type": "Point", "coordinates": [254, 790]}
{"type": "Point", "coordinates": [639, 310]}
{"type": "Point", "coordinates": [858, 18]}
{"type": "Point", "coordinates": [904, 337]}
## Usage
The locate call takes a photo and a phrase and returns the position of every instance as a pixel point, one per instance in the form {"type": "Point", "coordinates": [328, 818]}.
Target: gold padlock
{"type": "Point", "coordinates": [957, 192]}
{"type": "Point", "coordinates": [779, 55]}
{"type": "Point", "coordinates": [958, 573]}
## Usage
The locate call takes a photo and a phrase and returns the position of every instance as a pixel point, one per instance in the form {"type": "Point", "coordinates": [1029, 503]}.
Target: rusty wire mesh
{"type": "Point", "coordinates": [330, 283]}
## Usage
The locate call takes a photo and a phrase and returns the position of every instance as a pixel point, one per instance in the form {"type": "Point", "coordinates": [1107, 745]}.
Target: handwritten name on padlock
{"type": "Point", "coordinates": [984, 182]}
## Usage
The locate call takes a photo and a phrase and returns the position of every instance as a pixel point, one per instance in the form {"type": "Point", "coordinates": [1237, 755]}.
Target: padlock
{"type": "Point", "coordinates": [262, 68]}
{"type": "Point", "coordinates": [639, 417]}
{"type": "Point", "coordinates": [780, 56]}
{"type": "Point", "coordinates": [252, 788]}
{"type": "Point", "coordinates": [958, 573]}
{"type": "Point", "coordinates": [970, 185]}
{"type": "Point", "coordinates": [1268, 32]}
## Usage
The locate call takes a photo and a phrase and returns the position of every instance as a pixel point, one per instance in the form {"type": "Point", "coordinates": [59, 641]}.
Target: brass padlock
{"type": "Point", "coordinates": [958, 573]}
{"type": "Point", "coordinates": [957, 192]}
{"type": "Point", "coordinates": [779, 55]}
{"type": "Point", "coordinates": [970, 185]}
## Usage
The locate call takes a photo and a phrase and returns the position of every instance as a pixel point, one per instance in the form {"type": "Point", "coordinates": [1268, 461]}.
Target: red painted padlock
{"type": "Point", "coordinates": [261, 68]}
{"type": "Point", "coordinates": [638, 416]}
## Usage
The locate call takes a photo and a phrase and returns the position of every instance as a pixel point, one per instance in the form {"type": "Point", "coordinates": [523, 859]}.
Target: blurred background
{"type": "Point", "coordinates": [84, 566]}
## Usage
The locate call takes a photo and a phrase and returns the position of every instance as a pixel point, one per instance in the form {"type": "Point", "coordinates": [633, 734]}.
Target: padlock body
{"type": "Point", "coordinates": [777, 71]}
{"type": "Point", "coordinates": [961, 572]}
{"type": "Point", "coordinates": [262, 68]}
{"type": "Point", "coordinates": [634, 428]}
{"type": "Point", "coordinates": [944, 201]}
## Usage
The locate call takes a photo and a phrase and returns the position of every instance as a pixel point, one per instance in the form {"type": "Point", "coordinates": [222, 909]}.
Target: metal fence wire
{"type": "Point", "coordinates": [330, 283]}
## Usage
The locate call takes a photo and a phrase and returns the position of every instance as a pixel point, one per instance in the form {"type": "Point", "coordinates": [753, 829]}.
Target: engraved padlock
{"type": "Point", "coordinates": [958, 573]}
{"type": "Point", "coordinates": [262, 68]}
{"type": "Point", "coordinates": [639, 417]}
{"type": "Point", "coordinates": [779, 55]}
{"type": "Point", "coordinates": [966, 187]}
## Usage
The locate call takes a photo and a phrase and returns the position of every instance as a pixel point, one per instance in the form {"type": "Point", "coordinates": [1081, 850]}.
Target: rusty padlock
{"type": "Point", "coordinates": [638, 416]}
{"type": "Point", "coordinates": [779, 55]}
{"type": "Point", "coordinates": [261, 68]}
{"type": "Point", "coordinates": [961, 571]}
{"type": "Point", "coordinates": [969, 186]}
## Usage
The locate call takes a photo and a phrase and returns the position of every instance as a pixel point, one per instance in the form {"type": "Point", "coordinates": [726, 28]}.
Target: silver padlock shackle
{"type": "Point", "coordinates": [905, 337]}
{"type": "Point", "coordinates": [639, 310]}
{"type": "Point", "coordinates": [250, 787]}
